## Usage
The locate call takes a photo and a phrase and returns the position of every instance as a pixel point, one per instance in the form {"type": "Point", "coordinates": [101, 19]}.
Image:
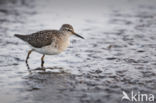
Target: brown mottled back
{"type": "Point", "coordinates": [41, 38]}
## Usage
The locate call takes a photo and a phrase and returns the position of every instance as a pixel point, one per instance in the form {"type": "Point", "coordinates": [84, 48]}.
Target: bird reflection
{"type": "Point", "coordinates": [46, 69]}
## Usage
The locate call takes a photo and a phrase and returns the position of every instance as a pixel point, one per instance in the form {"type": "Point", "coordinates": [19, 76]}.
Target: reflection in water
{"type": "Point", "coordinates": [48, 69]}
{"type": "Point", "coordinates": [29, 69]}
{"type": "Point", "coordinates": [47, 85]}
{"type": "Point", "coordinates": [41, 78]}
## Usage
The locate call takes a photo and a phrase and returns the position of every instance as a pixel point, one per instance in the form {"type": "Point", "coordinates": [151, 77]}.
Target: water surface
{"type": "Point", "coordinates": [117, 55]}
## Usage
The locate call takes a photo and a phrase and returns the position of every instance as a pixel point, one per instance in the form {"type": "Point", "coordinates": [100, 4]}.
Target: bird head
{"type": "Point", "coordinates": [70, 30]}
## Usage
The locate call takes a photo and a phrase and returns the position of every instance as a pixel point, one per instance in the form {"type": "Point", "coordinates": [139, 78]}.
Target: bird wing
{"type": "Point", "coordinates": [42, 38]}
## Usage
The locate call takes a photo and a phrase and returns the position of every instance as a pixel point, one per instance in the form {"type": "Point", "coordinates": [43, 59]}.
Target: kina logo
{"type": "Point", "coordinates": [137, 97]}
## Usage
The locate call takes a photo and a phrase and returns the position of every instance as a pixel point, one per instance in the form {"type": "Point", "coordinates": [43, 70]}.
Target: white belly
{"type": "Point", "coordinates": [48, 50]}
{"type": "Point", "coordinates": [53, 48]}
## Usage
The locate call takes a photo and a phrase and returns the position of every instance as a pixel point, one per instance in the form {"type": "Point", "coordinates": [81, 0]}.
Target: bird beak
{"type": "Point", "coordinates": [78, 35]}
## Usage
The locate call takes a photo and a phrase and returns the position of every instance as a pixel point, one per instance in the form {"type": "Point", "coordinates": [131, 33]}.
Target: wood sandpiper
{"type": "Point", "coordinates": [49, 42]}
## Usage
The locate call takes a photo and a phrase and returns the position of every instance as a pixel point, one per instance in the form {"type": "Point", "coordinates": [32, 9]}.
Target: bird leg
{"type": "Point", "coordinates": [28, 56]}
{"type": "Point", "coordinates": [42, 60]}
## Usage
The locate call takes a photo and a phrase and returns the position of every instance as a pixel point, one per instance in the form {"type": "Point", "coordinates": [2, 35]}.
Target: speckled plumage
{"type": "Point", "coordinates": [41, 38]}
{"type": "Point", "coordinates": [49, 42]}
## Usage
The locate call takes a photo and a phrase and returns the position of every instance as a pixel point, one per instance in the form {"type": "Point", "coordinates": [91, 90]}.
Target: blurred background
{"type": "Point", "coordinates": [118, 53]}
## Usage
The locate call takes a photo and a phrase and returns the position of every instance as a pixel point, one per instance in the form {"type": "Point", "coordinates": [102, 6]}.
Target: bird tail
{"type": "Point", "coordinates": [23, 37]}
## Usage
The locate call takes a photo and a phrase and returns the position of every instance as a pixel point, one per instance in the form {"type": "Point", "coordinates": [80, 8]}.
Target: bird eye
{"type": "Point", "coordinates": [69, 30]}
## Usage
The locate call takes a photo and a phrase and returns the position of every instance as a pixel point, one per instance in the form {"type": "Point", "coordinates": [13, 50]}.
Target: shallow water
{"type": "Point", "coordinates": [117, 55]}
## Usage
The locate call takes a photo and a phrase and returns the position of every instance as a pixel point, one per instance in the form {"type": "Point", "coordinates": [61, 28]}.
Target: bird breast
{"type": "Point", "coordinates": [61, 44]}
